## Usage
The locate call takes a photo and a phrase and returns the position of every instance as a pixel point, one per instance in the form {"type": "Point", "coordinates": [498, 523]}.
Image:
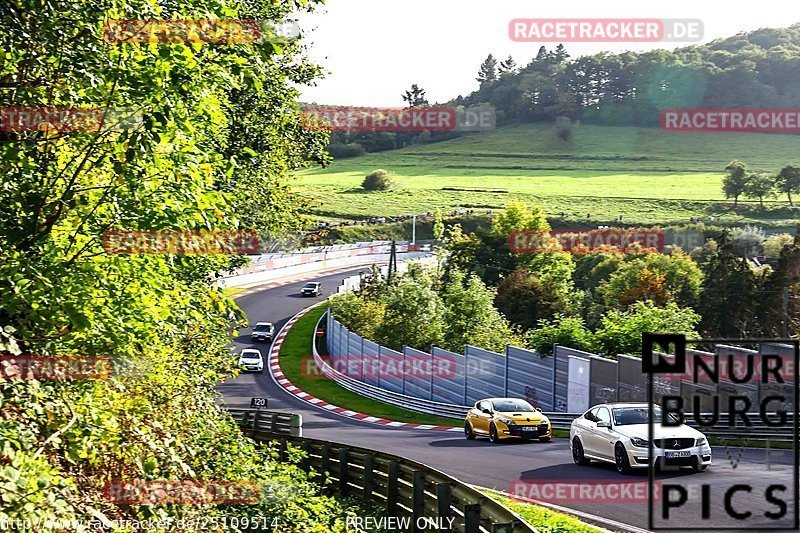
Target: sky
{"type": "Point", "coordinates": [373, 50]}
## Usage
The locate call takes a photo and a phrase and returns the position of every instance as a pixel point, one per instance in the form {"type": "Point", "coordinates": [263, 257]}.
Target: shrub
{"type": "Point", "coordinates": [563, 128]}
{"type": "Point", "coordinates": [748, 241]}
{"type": "Point", "coordinates": [775, 243]}
{"type": "Point", "coordinates": [377, 180]}
{"type": "Point", "coordinates": [621, 331]}
{"type": "Point", "coordinates": [564, 330]}
{"type": "Point", "coordinates": [341, 151]}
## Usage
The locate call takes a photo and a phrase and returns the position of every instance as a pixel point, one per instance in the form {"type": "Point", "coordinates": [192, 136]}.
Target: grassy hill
{"type": "Point", "coordinates": [644, 174]}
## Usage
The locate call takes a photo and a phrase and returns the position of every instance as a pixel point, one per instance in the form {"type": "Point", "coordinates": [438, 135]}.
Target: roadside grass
{"type": "Point", "coordinates": [643, 174]}
{"type": "Point", "coordinates": [543, 519]}
{"type": "Point", "coordinates": [231, 292]}
{"type": "Point", "coordinates": [295, 351]}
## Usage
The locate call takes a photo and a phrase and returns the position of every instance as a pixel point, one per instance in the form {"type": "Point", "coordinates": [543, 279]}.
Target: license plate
{"type": "Point", "coordinates": [529, 428]}
{"type": "Point", "coordinates": [673, 455]}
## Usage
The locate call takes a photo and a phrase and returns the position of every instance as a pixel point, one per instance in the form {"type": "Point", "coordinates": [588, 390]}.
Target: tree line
{"type": "Point", "coordinates": [756, 69]}
{"type": "Point", "coordinates": [739, 181]}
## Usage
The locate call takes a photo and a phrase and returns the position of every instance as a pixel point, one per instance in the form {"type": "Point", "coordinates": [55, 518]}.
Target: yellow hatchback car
{"type": "Point", "coordinates": [507, 418]}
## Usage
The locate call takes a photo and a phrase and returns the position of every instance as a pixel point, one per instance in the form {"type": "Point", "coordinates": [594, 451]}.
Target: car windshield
{"type": "Point", "coordinates": [250, 355]}
{"type": "Point", "coordinates": [627, 416]}
{"type": "Point", "coordinates": [508, 406]}
{"type": "Point", "coordinates": [262, 327]}
{"type": "Point", "coordinates": [311, 286]}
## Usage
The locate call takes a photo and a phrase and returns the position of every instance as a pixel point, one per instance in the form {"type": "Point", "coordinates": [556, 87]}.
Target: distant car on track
{"type": "Point", "coordinates": [617, 433]}
{"type": "Point", "coordinates": [251, 360]}
{"type": "Point", "coordinates": [263, 331]}
{"type": "Point", "coordinates": [507, 418]}
{"type": "Point", "coordinates": [312, 288]}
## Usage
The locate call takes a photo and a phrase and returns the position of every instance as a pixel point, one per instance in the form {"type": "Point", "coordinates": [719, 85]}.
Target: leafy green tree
{"type": "Point", "coordinates": [518, 216]}
{"type": "Point", "coordinates": [782, 282]}
{"type": "Point", "coordinates": [219, 137]}
{"type": "Point", "coordinates": [414, 313]}
{"type": "Point", "coordinates": [471, 318]}
{"type": "Point", "coordinates": [657, 277]}
{"type": "Point", "coordinates": [568, 331]}
{"type": "Point", "coordinates": [508, 66]}
{"type": "Point", "coordinates": [729, 299]}
{"type": "Point", "coordinates": [788, 181]}
{"type": "Point", "coordinates": [488, 70]}
{"type": "Point", "coordinates": [360, 315]}
{"type": "Point", "coordinates": [735, 180]}
{"type": "Point", "coordinates": [415, 96]}
{"type": "Point", "coordinates": [621, 331]}
{"type": "Point", "coordinates": [759, 186]}
{"type": "Point", "coordinates": [526, 298]}
{"type": "Point", "coordinates": [774, 244]}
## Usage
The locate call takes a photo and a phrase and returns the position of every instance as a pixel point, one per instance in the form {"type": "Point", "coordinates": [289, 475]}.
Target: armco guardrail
{"type": "Point", "coordinates": [430, 500]}
{"type": "Point", "coordinates": [268, 421]}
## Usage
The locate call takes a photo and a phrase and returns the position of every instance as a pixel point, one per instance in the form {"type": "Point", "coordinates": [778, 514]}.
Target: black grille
{"type": "Point", "coordinates": [673, 444]}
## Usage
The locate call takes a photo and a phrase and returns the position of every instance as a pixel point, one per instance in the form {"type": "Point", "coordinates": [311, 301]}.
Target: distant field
{"type": "Point", "coordinates": [644, 174]}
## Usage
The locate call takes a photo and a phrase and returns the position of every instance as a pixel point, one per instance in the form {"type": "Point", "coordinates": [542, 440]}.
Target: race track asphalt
{"type": "Point", "coordinates": [543, 470]}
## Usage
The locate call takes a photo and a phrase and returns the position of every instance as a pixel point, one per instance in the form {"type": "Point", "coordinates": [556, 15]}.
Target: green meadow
{"type": "Point", "coordinates": [644, 174]}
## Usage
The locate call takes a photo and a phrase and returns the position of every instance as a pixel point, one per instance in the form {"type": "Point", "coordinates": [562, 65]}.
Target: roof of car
{"type": "Point", "coordinates": [495, 399]}
{"type": "Point", "coordinates": [263, 323]}
{"type": "Point", "coordinates": [620, 404]}
{"type": "Point", "coordinates": [313, 283]}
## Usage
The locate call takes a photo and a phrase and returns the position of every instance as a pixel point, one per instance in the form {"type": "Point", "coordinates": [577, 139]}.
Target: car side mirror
{"type": "Point", "coordinates": [487, 411]}
{"type": "Point", "coordinates": [606, 425]}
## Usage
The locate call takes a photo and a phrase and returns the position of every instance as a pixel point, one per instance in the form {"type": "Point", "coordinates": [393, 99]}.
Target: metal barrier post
{"type": "Point", "coordinates": [418, 498]}
{"type": "Point", "coordinates": [472, 518]}
{"type": "Point", "coordinates": [369, 462]}
{"type": "Point", "coordinates": [443, 500]}
{"type": "Point", "coordinates": [326, 459]}
{"type": "Point", "coordinates": [305, 464]}
{"type": "Point", "coordinates": [343, 454]}
{"type": "Point", "coordinates": [392, 492]}
{"type": "Point", "coordinates": [282, 448]}
{"type": "Point", "coordinates": [274, 423]}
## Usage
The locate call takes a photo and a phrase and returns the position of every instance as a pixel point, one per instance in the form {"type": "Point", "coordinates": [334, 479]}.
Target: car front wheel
{"type": "Point", "coordinates": [621, 459]}
{"type": "Point", "coordinates": [577, 453]}
{"type": "Point", "coordinates": [468, 433]}
{"type": "Point", "coordinates": [493, 436]}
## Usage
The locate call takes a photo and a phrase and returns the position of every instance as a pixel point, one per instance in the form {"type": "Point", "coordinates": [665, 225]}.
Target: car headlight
{"type": "Point", "coordinates": [639, 443]}
{"type": "Point", "coordinates": [701, 442]}
{"type": "Point", "coordinates": [507, 421]}
{"type": "Point", "coordinates": [545, 421]}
